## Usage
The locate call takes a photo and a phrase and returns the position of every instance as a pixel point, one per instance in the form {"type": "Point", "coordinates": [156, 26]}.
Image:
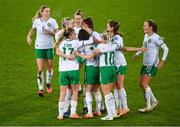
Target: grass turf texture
{"type": "Point", "coordinates": [19, 103]}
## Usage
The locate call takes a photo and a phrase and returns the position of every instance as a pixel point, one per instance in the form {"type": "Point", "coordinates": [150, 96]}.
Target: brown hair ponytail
{"type": "Point", "coordinates": [115, 25]}
{"type": "Point", "coordinates": [153, 25]}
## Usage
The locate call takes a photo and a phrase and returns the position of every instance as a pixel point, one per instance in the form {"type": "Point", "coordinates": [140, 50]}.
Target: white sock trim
{"type": "Point", "coordinates": [49, 76]}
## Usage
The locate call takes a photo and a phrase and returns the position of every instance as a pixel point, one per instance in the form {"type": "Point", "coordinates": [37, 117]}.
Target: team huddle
{"type": "Point", "coordinates": [78, 44]}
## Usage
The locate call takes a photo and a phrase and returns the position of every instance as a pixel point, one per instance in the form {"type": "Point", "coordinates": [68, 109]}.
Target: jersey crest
{"type": "Point", "coordinates": [49, 25]}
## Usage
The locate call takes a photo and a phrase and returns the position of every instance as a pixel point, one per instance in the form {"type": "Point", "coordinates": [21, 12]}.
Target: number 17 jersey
{"type": "Point", "coordinates": [67, 47]}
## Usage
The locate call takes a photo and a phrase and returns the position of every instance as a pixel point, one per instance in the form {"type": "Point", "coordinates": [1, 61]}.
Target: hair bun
{"type": "Point", "coordinates": [78, 11]}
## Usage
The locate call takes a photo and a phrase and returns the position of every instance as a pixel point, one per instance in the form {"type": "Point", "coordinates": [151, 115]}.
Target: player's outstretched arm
{"type": "Point", "coordinates": [133, 49]}
{"type": "Point", "coordinates": [135, 56]}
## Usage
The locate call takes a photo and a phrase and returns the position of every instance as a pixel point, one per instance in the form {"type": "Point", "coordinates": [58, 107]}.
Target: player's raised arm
{"type": "Point", "coordinates": [87, 25]}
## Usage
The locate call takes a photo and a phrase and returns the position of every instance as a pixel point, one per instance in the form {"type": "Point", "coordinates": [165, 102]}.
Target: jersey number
{"type": "Point", "coordinates": [64, 51]}
{"type": "Point", "coordinates": [109, 58]}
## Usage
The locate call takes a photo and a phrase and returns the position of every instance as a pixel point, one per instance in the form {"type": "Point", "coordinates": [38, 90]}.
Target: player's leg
{"type": "Point", "coordinates": [49, 72]}
{"type": "Point", "coordinates": [63, 82]}
{"type": "Point", "coordinates": [74, 81]}
{"type": "Point", "coordinates": [108, 101]}
{"type": "Point", "coordinates": [122, 94]}
{"type": "Point", "coordinates": [146, 74]}
{"type": "Point", "coordinates": [96, 89]}
{"type": "Point", "coordinates": [89, 101]}
{"type": "Point", "coordinates": [61, 103]}
{"type": "Point", "coordinates": [40, 76]}
{"type": "Point", "coordinates": [98, 99]}
{"type": "Point", "coordinates": [85, 109]}
{"type": "Point", "coordinates": [144, 81]}
{"type": "Point", "coordinates": [117, 97]}
{"type": "Point", "coordinates": [68, 100]}
{"type": "Point", "coordinates": [40, 59]}
{"type": "Point", "coordinates": [107, 77]}
{"type": "Point", "coordinates": [74, 100]}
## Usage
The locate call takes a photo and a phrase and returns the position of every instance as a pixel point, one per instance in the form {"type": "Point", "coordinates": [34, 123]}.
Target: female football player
{"type": "Point", "coordinates": [45, 28]}
{"type": "Point", "coordinates": [69, 70]}
{"type": "Point", "coordinates": [120, 64]}
{"type": "Point", "coordinates": [92, 72]}
{"type": "Point", "coordinates": [107, 74]}
{"type": "Point", "coordinates": [78, 18]}
{"type": "Point", "coordinates": [151, 62]}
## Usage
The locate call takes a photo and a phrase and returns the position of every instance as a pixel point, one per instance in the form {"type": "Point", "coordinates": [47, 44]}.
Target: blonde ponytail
{"type": "Point", "coordinates": [61, 38]}
{"type": "Point", "coordinates": [38, 13]}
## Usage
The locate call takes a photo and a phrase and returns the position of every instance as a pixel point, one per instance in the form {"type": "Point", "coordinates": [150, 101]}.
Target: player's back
{"type": "Point", "coordinates": [67, 47]}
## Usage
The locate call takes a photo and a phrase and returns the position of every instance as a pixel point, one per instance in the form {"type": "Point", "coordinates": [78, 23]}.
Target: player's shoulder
{"type": "Point", "coordinates": [95, 33]}
{"type": "Point", "coordinates": [157, 37]}
{"type": "Point", "coordinates": [102, 45]}
{"type": "Point", "coordinates": [52, 19]}
{"type": "Point", "coordinates": [116, 37]}
{"type": "Point", "coordinates": [60, 32]}
{"type": "Point", "coordinates": [74, 42]}
{"type": "Point", "coordinates": [36, 20]}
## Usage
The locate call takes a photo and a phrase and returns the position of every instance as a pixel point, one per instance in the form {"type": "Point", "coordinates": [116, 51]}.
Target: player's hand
{"type": "Point", "coordinates": [86, 28]}
{"type": "Point", "coordinates": [144, 49]}
{"type": "Point", "coordinates": [96, 41]}
{"type": "Point", "coordinates": [96, 51]}
{"type": "Point", "coordinates": [160, 64]}
{"type": "Point", "coordinates": [134, 57]}
{"type": "Point", "coordinates": [46, 31]}
{"type": "Point", "coordinates": [29, 40]}
{"type": "Point", "coordinates": [71, 57]}
{"type": "Point", "coordinates": [76, 53]}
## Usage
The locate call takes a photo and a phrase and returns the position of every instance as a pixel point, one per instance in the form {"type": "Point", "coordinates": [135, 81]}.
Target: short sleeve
{"type": "Point", "coordinates": [97, 36]}
{"type": "Point", "coordinates": [100, 47]}
{"type": "Point", "coordinates": [159, 41]}
{"type": "Point", "coordinates": [58, 35]}
{"type": "Point", "coordinates": [81, 49]}
{"type": "Point", "coordinates": [34, 25]}
{"type": "Point", "coordinates": [117, 40]}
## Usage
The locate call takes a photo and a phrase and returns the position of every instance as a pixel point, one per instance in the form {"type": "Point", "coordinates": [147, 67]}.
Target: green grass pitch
{"type": "Point", "coordinates": [19, 103]}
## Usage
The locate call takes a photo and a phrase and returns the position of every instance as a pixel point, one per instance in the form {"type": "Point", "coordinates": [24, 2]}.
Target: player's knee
{"type": "Point", "coordinates": [62, 96]}
{"type": "Point", "coordinates": [39, 72]}
{"type": "Point", "coordinates": [49, 69]}
{"type": "Point", "coordinates": [143, 85]}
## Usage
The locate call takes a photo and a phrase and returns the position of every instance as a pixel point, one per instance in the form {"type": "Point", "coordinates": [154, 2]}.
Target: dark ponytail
{"type": "Point", "coordinates": [89, 22]}
{"type": "Point", "coordinates": [153, 25]}
{"type": "Point", "coordinates": [115, 25]}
